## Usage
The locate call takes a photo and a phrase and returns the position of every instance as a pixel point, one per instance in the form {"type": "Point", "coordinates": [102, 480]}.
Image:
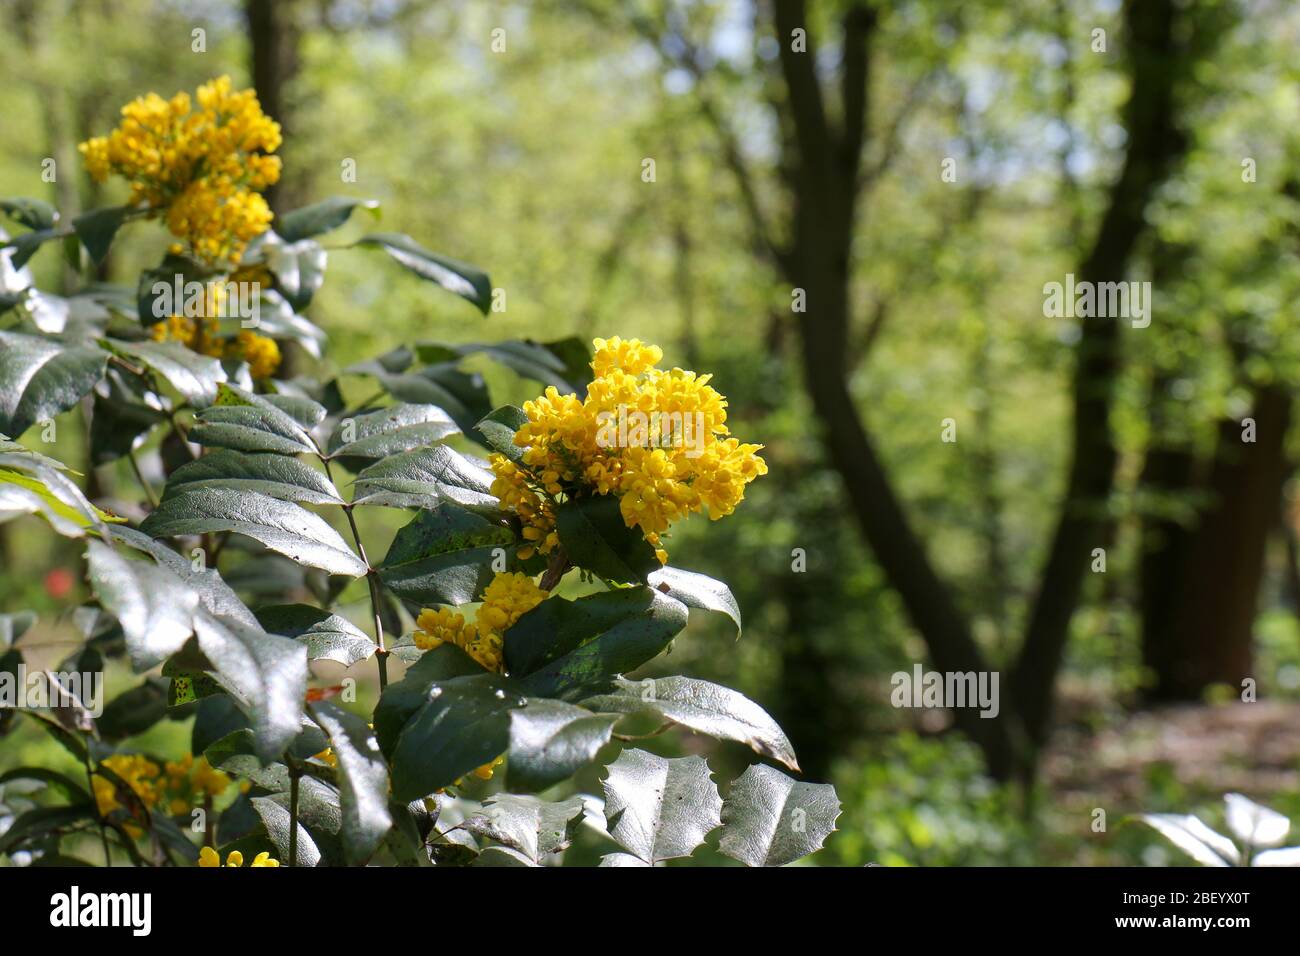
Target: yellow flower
{"type": "Point", "coordinates": [656, 439]}
{"type": "Point", "coordinates": [505, 600]}
{"type": "Point", "coordinates": [139, 773]}
{"type": "Point", "coordinates": [209, 857]}
{"type": "Point", "coordinates": [200, 168]}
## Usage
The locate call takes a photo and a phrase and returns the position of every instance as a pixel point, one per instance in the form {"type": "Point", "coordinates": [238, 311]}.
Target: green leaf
{"type": "Point", "coordinates": [564, 364]}
{"type": "Point", "coordinates": [39, 823]}
{"type": "Point", "coordinates": [444, 556]}
{"type": "Point", "coordinates": [363, 780]}
{"type": "Point", "coordinates": [97, 228]}
{"type": "Point", "coordinates": [193, 375]}
{"type": "Point", "coordinates": [700, 706]}
{"type": "Point", "coordinates": [388, 431]}
{"type": "Point", "coordinates": [424, 477]}
{"type": "Point", "coordinates": [276, 476]}
{"type": "Point", "coordinates": [134, 711]}
{"type": "Point", "coordinates": [215, 595]}
{"type": "Point", "coordinates": [33, 484]}
{"type": "Point", "coordinates": [277, 821]}
{"type": "Point", "coordinates": [156, 296]}
{"type": "Point", "coordinates": [770, 819]}
{"type": "Point", "coordinates": [250, 428]}
{"type": "Point", "coordinates": [280, 525]}
{"type": "Point", "coordinates": [327, 636]}
{"type": "Point", "coordinates": [32, 213]}
{"type": "Point", "coordinates": [27, 245]}
{"type": "Point", "coordinates": [155, 608]}
{"type": "Point", "coordinates": [464, 724]}
{"type": "Point", "coordinates": [462, 395]}
{"type": "Point", "coordinates": [660, 809]}
{"type": "Point", "coordinates": [464, 280]}
{"type": "Point", "coordinates": [39, 379]}
{"type": "Point", "coordinates": [550, 741]}
{"type": "Point", "coordinates": [499, 429]}
{"type": "Point", "coordinates": [14, 626]}
{"type": "Point", "coordinates": [696, 590]}
{"type": "Point", "coordinates": [267, 674]}
{"type": "Point", "coordinates": [561, 645]}
{"type": "Point", "coordinates": [595, 537]}
{"type": "Point", "coordinates": [400, 700]}
{"type": "Point", "coordinates": [73, 791]}
{"type": "Point", "coordinates": [320, 217]}
{"type": "Point", "coordinates": [119, 426]}
{"type": "Point", "coordinates": [531, 826]}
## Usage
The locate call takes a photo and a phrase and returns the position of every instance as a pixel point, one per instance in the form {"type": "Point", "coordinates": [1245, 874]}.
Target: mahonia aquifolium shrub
{"type": "Point", "coordinates": [529, 578]}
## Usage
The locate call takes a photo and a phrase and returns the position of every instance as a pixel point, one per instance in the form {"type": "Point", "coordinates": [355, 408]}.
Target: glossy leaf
{"type": "Point", "coordinates": [657, 808]}
{"type": "Point", "coordinates": [277, 476]}
{"type": "Point", "coordinates": [595, 537]}
{"type": "Point", "coordinates": [280, 525]}
{"type": "Point", "coordinates": [456, 277]}
{"type": "Point", "coordinates": [424, 477]}
{"type": "Point", "coordinates": [327, 636]}
{"type": "Point", "coordinates": [444, 556]}
{"type": "Point", "coordinates": [770, 819]}
{"type": "Point", "coordinates": [40, 378]}
{"type": "Point", "coordinates": [700, 706]}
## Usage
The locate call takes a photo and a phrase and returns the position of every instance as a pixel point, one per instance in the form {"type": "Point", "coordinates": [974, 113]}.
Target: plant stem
{"type": "Point", "coordinates": [555, 570]}
{"type": "Point", "coordinates": [139, 476]}
{"type": "Point", "coordinates": [293, 810]}
{"type": "Point", "coordinates": [372, 579]}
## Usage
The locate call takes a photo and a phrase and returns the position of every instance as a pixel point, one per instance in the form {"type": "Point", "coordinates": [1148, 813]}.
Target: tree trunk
{"type": "Point", "coordinates": [1199, 628]}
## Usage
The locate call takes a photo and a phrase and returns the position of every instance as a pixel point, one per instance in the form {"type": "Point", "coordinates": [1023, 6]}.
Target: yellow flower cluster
{"type": "Point", "coordinates": [210, 857]}
{"type": "Point", "coordinates": [655, 438]}
{"type": "Point", "coordinates": [260, 352]}
{"type": "Point", "coordinates": [505, 600]}
{"type": "Point", "coordinates": [179, 785]}
{"type": "Point", "coordinates": [201, 168]}
{"type": "Point", "coordinates": [188, 783]}
{"type": "Point", "coordinates": [139, 773]}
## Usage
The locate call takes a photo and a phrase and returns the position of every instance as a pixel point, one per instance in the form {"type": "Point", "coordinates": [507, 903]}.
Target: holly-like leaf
{"type": "Point", "coordinates": [531, 826]}
{"type": "Point", "coordinates": [697, 590]}
{"type": "Point", "coordinates": [464, 280]}
{"type": "Point", "coordinates": [97, 228]}
{"type": "Point", "coordinates": [550, 741]}
{"type": "Point", "coordinates": [328, 637]}
{"type": "Point", "coordinates": [32, 213]}
{"type": "Point", "coordinates": [34, 484]}
{"type": "Point", "coordinates": [498, 429]}
{"type": "Point", "coordinates": [700, 706]}
{"type": "Point", "coordinates": [770, 819]}
{"type": "Point", "coordinates": [40, 378]}
{"type": "Point", "coordinates": [564, 364]}
{"type": "Point", "coordinates": [250, 428]}
{"type": "Point", "coordinates": [193, 375]}
{"type": "Point", "coordinates": [444, 556]}
{"type": "Point", "coordinates": [463, 724]}
{"type": "Point", "coordinates": [215, 595]}
{"type": "Point", "coordinates": [14, 626]}
{"type": "Point", "coordinates": [266, 673]}
{"type": "Point", "coordinates": [561, 645]}
{"type": "Point", "coordinates": [424, 477]}
{"type": "Point", "coordinates": [363, 780]}
{"type": "Point", "coordinates": [660, 809]}
{"type": "Point", "coordinates": [462, 395]}
{"type": "Point", "coordinates": [595, 537]}
{"type": "Point", "coordinates": [388, 431]}
{"type": "Point", "coordinates": [277, 476]}
{"type": "Point", "coordinates": [280, 525]}
{"type": "Point", "coordinates": [155, 608]}
{"type": "Point", "coordinates": [320, 217]}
